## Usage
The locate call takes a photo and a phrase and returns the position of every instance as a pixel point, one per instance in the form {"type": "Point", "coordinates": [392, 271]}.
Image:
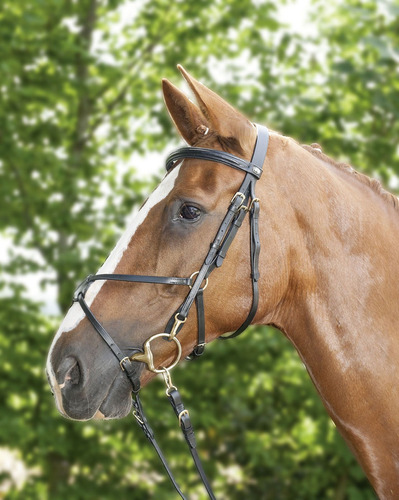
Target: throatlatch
{"type": "Point", "coordinates": [243, 202]}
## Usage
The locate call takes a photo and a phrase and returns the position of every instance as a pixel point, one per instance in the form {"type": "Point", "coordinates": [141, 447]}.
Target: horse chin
{"type": "Point", "coordinates": [107, 411]}
{"type": "Point", "coordinates": [113, 407]}
{"type": "Point", "coordinates": [116, 403]}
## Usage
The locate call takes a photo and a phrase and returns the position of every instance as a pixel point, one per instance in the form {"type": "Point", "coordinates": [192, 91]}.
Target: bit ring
{"type": "Point", "coordinates": [148, 358]}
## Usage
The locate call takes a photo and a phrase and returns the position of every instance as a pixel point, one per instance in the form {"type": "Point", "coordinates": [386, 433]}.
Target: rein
{"type": "Point", "coordinates": [244, 201]}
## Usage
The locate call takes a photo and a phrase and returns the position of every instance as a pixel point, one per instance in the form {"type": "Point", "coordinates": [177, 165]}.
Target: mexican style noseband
{"type": "Point", "coordinates": [243, 202]}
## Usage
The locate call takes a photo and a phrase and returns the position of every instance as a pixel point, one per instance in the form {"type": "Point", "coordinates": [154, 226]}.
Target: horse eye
{"type": "Point", "coordinates": [190, 213]}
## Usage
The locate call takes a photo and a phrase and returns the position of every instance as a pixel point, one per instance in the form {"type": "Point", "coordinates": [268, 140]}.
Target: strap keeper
{"type": "Point", "coordinates": [198, 351]}
{"type": "Point", "coordinates": [176, 326]}
{"type": "Point", "coordinates": [253, 201]}
{"type": "Point", "coordinates": [82, 288]}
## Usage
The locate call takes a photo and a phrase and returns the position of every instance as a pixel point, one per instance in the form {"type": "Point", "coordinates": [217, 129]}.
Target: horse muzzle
{"type": "Point", "coordinates": [80, 392]}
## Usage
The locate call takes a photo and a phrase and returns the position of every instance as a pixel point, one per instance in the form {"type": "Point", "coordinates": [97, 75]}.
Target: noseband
{"type": "Point", "coordinates": [244, 201]}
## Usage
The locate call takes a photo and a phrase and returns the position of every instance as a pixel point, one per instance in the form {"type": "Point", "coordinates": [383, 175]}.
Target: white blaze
{"type": "Point", "coordinates": [75, 313]}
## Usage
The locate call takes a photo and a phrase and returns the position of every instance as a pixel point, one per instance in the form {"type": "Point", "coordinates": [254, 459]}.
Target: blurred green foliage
{"type": "Point", "coordinates": [79, 93]}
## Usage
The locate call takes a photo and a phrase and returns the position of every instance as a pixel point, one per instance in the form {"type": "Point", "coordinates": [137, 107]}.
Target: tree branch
{"type": "Point", "coordinates": [84, 106]}
{"type": "Point", "coordinates": [133, 68]}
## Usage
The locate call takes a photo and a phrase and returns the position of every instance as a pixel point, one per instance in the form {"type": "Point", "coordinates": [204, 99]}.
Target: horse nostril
{"type": "Point", "coordinates": [69, 372]}
{"type": "Point", "coordinates": [73, 374]}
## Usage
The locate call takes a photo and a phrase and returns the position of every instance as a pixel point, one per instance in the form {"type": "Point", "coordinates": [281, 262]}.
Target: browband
{"type": "Point", "coordinates": [254, 167]}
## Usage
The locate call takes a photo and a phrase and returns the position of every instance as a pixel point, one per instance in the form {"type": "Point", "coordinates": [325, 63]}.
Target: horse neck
{"type": "Point", "coordinates": [339, 237]}
{"type": "Point", "coordinates": [339, 307]}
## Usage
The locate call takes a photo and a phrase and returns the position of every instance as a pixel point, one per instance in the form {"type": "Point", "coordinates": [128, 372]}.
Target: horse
{"type": "Point", "coordinates": [326, 272]}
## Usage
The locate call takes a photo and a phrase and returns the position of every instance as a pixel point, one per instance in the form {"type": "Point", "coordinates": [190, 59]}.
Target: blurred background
{"type": "Point", "coordinates": [83, 137]}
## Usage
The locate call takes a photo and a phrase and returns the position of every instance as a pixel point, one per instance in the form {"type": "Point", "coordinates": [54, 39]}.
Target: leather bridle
{"type": "Point", "coordinates": [243, 202]}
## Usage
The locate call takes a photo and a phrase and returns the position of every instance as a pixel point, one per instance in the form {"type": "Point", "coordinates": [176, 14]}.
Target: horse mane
{"type": "Point", "coordinates": [373, 184]}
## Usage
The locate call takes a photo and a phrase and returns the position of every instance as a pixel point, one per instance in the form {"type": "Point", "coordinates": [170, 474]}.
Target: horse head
{"type": "Point", "coordinates": [170, 236]}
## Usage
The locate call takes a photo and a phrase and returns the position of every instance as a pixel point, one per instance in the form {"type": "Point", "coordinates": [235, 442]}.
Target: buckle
{"type": "Point", "coordinates": [199, 349]}
{"type": "Point", "coordinates": [182, 414]}
{"type": "Point", "coordinates": [126, 358]}
{"type": "Point", "coordinates": [137, 417]}
{"type": "Point", "coordinates": [238, 195]}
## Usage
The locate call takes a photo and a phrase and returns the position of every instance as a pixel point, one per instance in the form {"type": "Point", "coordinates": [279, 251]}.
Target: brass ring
{"type": "Point", "coordinates": [206, 281]}
{"type": "Point", "coordinates": [178, 355]}
{"type": "Point", "coordinates": [148, 358]}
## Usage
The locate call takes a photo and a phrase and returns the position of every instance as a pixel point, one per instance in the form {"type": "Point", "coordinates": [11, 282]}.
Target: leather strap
{"type": "Point", "coordinates": [255, 250]}
{"type": "Point", "coordinates": [188, 432]}
{"type": "Point", "coordinates": [136, 278]}
{"type": "Point", "coordinates": [235, 226]}
{"type": "Point", "coordinates": [205, 270]}
{"type": "Point", "coordinates": [124, 362]}
{"type": "Point", "coordinates": [261, 146]}
{"type": "Point", "coordinates": [142, 421]}
{"type": "Point", "coordinates": [216, 156]}
{"type": "Point", "coordinates": [131, 278]}
{"type": "Point", "coordinates": [258, 157]}
{"type": "Point", "coordinates": [199, 349]}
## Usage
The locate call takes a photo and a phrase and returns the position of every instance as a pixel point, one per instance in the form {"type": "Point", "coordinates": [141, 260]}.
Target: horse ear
{"type": "Point", "coordinates": [226, 121]}
{"type": "Point", "coordinates": [187, 117]}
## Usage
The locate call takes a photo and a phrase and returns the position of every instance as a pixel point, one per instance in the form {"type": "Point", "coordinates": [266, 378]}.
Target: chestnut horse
{"type": "Point", "coordinates": [328, 280]}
